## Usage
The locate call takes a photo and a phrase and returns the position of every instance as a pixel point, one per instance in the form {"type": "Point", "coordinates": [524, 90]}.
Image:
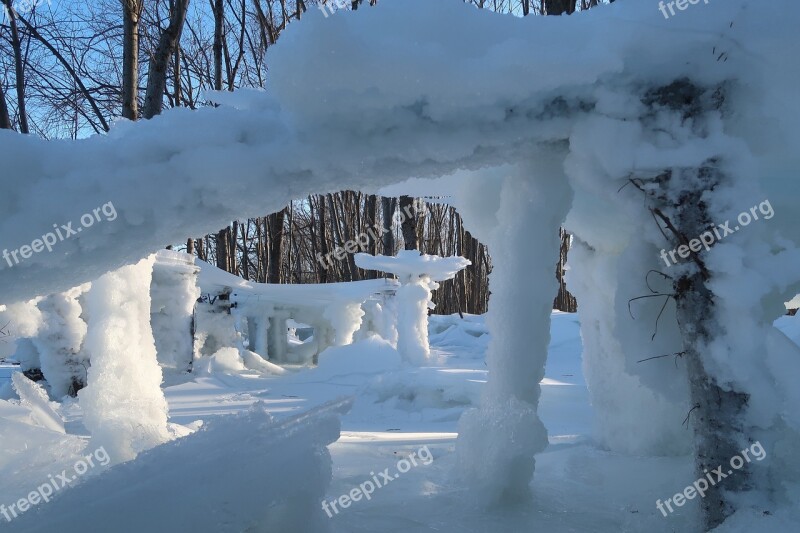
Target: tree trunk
{"type": "Point", "coordinates": [168, 43]}
{"type": "Point", "coordinates": [219, 17]}
{"type": "Point", "coordinates": [276, 221]}
{"type": "Point", "coordinates": [337, 234]}
{"type": "Point", "coordinates": [409, 226]}
{"type": "Point", "coordinates": [19, 66]}
{"type": "Point", "coordinates": [132, 10]}
{"type": "Point", "coordinates": [323, 240]}
{"type": "Point", "coordinates": [370, 221]}
{"type": "Point", "coordinates": [565, 301]}
{"type": "Point", "coordinates": [559, 7]}
{"type": "Point", "coordinates": [718, 413]}
{"type": "Point", "coordinates": [222, 249]}
{"type": "Point", "coordinates": [5, 120]}
{"type": "Point", "coordinates": [388, 206]}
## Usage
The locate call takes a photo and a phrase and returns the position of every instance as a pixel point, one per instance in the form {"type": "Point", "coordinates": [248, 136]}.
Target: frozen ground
{"type": "Point", "coordinates": [401, 410]}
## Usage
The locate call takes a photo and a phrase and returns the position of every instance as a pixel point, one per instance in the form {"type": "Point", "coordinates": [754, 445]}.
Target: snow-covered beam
{"type": "Point", "coordinates": [381, 110]}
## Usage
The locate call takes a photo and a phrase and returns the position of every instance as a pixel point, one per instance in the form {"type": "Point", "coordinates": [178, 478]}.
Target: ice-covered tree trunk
{"type": "Point", "coordinates": [123, 404]}
{"type": "Point", "coordinates": [718, 413]}
{"type": "Point", "coordinates": [682, 202]}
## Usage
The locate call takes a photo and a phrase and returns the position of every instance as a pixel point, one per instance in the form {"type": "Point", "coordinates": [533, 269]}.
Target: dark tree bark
{"type": "Point", "coordinates": [323, 239]}
{"type": "Point", "coordinates": [409, 226]}
{"type": "Point", "coordinates": [559, 7]}
{"type": "Point", "coordinates": [370, 221]}
{"type": "Point", "coordinates": [167, 44]}
{"type": "Point", "coordinates": [564, 301]}
{"type": "Point", "coordinates": [219, 18]}
{"type": "Point", "coordinates": [19, 66]}
{"type": "Point", "coordinates": [718, 410]}
{"type": "Point", "coordinates": [388, 206]}
{"type": "Point", "coordinates": [5, 120]}
{"type": "Point", "coordinates": [223, 251]}
{"type": "Point", "coordinates": [276, 221]}
{"type": "Point", "coordinates": [132, 12]}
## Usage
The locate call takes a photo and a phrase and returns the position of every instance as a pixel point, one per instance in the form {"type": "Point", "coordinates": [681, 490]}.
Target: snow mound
{"type": "Point", "coordinates": [372, 355]}
{"type": "Point", "coordinates": [225, 360]}
{"type": "Point", "coordinates": [34, 397]}
{"type": "Point", "coordinates": [248, 472]}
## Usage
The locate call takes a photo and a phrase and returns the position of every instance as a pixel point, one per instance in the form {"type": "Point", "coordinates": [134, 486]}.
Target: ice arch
{"type": "Point", "coordinates": [371, 98]}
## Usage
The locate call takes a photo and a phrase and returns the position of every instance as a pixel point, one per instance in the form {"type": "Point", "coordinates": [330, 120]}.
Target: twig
{"type": "Point", "coordinates": [645, 296]}
{"type": "Point", "coordinates": [686, 420]}
{"type": "Point", "coordinates": [647, 279]}
{"type": "Point", "coordinates": [683, 240]}
{"type": "Point", "coordinates": [676, 354]}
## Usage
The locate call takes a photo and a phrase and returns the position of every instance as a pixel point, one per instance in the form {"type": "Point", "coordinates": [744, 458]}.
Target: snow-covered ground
{"type": "Point", "coordinates": [401, 410]}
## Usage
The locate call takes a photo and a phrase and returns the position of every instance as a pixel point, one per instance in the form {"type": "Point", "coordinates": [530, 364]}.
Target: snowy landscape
{"type": "Point", "coordinates": [332, 266]}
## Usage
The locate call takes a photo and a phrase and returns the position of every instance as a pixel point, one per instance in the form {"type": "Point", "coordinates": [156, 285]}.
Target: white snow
{"type": "Point", "coordinates": [59, 341]}
{"type": "Point", "coordinates": [123, 405]}
{"type": "Point", "coordinates": [173, 293]}
{"type": "Point", "coordinates": [242, 473]}
{"type": "Point", "coordinates": [34, 397]}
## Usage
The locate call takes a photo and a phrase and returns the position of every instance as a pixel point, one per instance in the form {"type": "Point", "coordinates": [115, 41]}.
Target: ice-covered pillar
{"type": "Point", "coordinates": [174, 293]}
{"type": "Point", "coordinates": [123, 404]}
{"type": "Point", "coordinates": [345, 319]}
{"type": "Point", "coordinates": [497, 441]}
{"type": "Point", "coordinates": [258, 331]}
{"type": "Point", "coordinates": [418, 275]}
{"type": "Point", "coordinates": [59, 343]}
{"type": "Point", "coordinates": [277, 336]}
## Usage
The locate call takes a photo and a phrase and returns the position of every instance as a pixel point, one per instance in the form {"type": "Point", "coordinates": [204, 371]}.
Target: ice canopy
{"type": "Point", "coordinates": [361, 99]}
{"type": "Point", "coordinates": [535, 123]}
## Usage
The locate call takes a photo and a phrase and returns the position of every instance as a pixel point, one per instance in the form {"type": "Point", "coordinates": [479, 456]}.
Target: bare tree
{"type": "Point", "coordinates": [409, 225]}
{"type": "Point", "coordinates": [132, 12]}
{"type": "Point", "coordinates": [19, 66]}
{"type": "Point", "coordinates": [559, 7]}
{"type": "Point", "coordinates": [159, 61]}
{"type": "Point", "coordinates": [5, 121]}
